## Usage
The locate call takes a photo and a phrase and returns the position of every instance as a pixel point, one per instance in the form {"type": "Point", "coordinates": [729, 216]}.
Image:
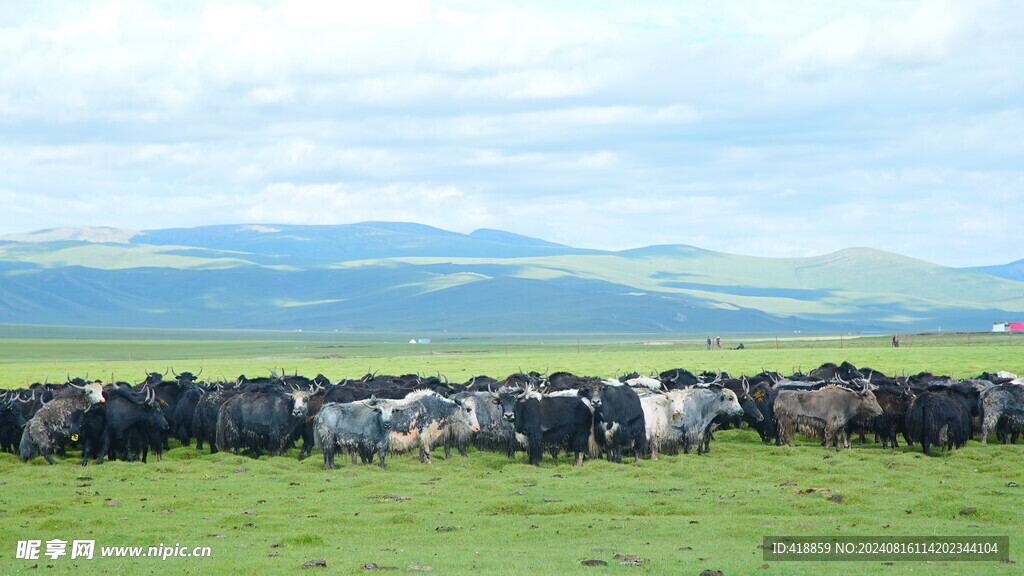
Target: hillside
{"type": "Point", "coordinates": [353, 241]}
{"type": "Point", "coordinates": [401, 276]}
{"type": "Point", "coordinates": [1012, 271]}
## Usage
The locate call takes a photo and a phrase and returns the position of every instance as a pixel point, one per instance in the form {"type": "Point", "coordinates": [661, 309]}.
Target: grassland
{"type": "Point", "coordinates": [485, 514]}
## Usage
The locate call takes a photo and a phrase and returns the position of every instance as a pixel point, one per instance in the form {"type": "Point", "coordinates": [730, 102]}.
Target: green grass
{"type": "Point", "coordinates": [129, 353]}
{"type": "Point", "coordinates": [684, 513]}
{"type": "Point", "coordinates": [118, 257]}
{"type": "Point", "coordinates": [508, 517]}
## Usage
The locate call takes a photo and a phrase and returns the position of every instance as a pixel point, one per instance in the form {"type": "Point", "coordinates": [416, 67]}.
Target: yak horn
{"type": "Point", "coordinates": [525, 391]}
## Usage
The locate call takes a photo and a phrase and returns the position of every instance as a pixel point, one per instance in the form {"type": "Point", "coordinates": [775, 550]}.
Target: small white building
{"type": "Point", "coordinates": [1008, 326]}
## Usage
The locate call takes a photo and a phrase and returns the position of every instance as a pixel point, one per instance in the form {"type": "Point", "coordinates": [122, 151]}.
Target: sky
{"type": "Point", "coordinates": [777, 129]}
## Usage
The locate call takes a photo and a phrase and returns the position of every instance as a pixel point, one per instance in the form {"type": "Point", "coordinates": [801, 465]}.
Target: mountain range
{"type": "Point", "coordinates": [394, 276]}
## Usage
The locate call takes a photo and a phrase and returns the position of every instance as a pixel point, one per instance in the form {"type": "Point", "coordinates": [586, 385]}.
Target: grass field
{"type": "Point", "coordinates": [485, 514]}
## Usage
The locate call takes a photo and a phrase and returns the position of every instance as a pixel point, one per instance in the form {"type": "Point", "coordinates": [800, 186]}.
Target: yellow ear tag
{"type": "Point", "coordinates": [74, 437]}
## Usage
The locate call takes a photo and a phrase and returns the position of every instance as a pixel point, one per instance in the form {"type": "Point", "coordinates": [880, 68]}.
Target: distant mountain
{"type": "Point", "coordinates": [1011, 271]}
{"type": "Point", "coordinates": [503, 237]}
{"type": "Point", "coordinates": [80, 234]}
{"type": "Point", "coordinates": [389, 276]}
{"type": "Point", "coordinates": [353, 241]}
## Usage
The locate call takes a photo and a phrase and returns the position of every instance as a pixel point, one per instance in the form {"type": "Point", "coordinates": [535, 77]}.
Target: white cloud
{"type": "Point", "coordinates": [389, 52]}
{"type": "Point", "coordinates": [103, 21]}
{"type": "Point", "coordinates": [902, 34]}
{"type": "Point", "coordinates": [273, 95]}
{"type": "Point", "coordinates": [500, 158]}
{"type": "Point", "coordinates": [454, 16]}
{"type": "Point", "coordinates": [743, 126]}
{"type": "Point", "coordinates": [340, 203]}
{"type": "Point", "coordinates": [601, 160]}
{"type": "Point", "coordinates": [227, 22]}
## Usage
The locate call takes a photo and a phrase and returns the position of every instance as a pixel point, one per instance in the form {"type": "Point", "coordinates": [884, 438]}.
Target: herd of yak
{"type": "Point", "coordinates": [638, 415]}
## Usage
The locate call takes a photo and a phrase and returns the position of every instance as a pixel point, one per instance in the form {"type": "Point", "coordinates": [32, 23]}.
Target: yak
{"type": "Point", "coordinates": [49, 429]}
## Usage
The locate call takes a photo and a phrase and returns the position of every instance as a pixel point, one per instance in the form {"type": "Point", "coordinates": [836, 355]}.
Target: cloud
{"type": "Point", "coordinates": [902, 35]}
{"type": "Point", "coordinates": [33, 208]}
{"type": "Point", "coordinates": [776, 128]}
{"type": "Point", "coordinates": [103, 21]}
{"type": "Point", "coordinates": [341, 203]}
{"type": "Point", "coordinates": [384, 53]}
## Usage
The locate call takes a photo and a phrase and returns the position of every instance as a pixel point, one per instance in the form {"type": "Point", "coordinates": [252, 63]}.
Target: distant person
{"type": "Point", "coordinates": [718, 342]}
{"type": "Point", "coordinates": [709, 342]}
{"type": "Point", "coordinates": [895, 340]}
{"type": "Point", "coordinates": [741, 346]}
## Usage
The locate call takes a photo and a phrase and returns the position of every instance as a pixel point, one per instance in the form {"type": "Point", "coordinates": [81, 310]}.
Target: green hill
{"type": "Point", "coordinates": [352, 241]}
{"type": "Point", "coordinates": [398, 276]}
{"type": "Point", "coordinates": [1011, 271]}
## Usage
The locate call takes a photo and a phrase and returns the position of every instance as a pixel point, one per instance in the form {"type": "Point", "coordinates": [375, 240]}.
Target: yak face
{"type": "Point", "coordinates": [185, 379]}
{"type": "Point", "coordinates": [154, 413]}
{"type": "Point", "coordinates": [868, 406]}
{"type": "Point", "coordinates": [157, 418]}
{"type": "Point", "coordinates": [592, 393]}
{"type": "Point", "coordinates": [469, 412]}
{"type": "Point", "coordinates": [677, 406]}
{"type": "Point", "coordinates": [93, 391]}
{"type": "Point", "coordinates": [731, 404]}
{"type": "Point", "coordinates": [300, 406]}
{"type": "Point", "coordinates": [507, 401]}
{"type": "Point", "coordinates": [507, 397]}
{"type": "Point", "coordinates": [12, 415]}
{"type": "Point", "coordinates": [750, 409]}
{"type": "Point", "coordinates": [76, 423]}
{"type": "Point", "coordinates": [385, 411]}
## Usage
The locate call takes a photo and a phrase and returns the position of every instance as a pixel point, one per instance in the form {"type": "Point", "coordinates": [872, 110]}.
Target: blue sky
{"type": "Point", "coordinates": [765, 128]}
